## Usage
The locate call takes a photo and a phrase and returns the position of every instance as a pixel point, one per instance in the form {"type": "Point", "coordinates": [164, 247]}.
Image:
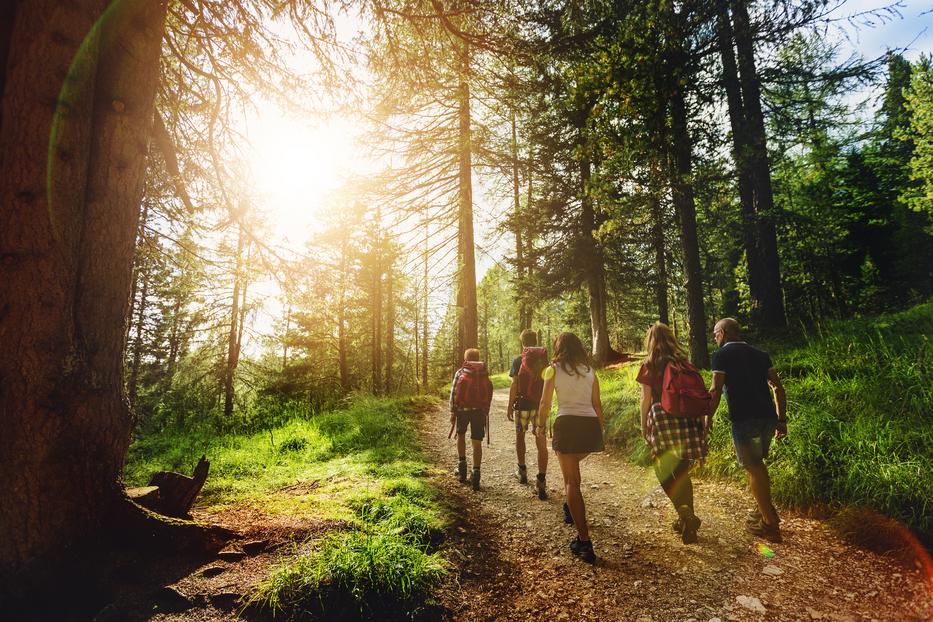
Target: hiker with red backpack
{"type": "Point", "coordinates": [470, 398]}
{"type": "Point", "coordinates": [675, 421]}
{"type": "Point", "coordinates": [524, 398]}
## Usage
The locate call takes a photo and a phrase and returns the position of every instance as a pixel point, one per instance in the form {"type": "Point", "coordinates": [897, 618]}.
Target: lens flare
{"type": "Point", "coordinates": [766, 550]}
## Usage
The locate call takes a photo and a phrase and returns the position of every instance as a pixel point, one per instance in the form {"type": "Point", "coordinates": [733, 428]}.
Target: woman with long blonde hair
{"type": "Point", "coordinates": [578, 428]}
{"type": "Point", "coordinates": [675, 441]}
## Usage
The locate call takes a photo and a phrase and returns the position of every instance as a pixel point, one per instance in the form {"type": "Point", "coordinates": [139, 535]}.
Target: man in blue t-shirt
{"type": "Point", "coordinates": [746, 373]}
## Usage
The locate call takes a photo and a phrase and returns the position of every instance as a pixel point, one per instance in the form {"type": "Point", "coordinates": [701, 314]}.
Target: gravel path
{"type": "Point", "coordinates": [514, 562]}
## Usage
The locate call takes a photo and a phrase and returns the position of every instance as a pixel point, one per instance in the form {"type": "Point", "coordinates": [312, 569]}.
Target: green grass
{"type": "Point", "coordinates": [501, 380]}
{"type": "Point", "coordinates": [361, 467]}
{"type": "Point", "coordinates": [860, 410]}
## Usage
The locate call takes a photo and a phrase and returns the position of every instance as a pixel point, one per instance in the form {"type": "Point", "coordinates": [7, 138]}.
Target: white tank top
{"type": "Point", "coordinates": [574, 392]}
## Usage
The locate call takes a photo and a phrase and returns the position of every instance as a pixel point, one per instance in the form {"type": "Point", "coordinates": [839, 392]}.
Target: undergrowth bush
{"type": "Point", "coordinates": [860, 412]}
{"type": "Point", "coordinates": [360, 465]}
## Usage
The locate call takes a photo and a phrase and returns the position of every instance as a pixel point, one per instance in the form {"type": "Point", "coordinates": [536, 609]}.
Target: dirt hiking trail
{"type": "Point", "coordinates": [514, 563]}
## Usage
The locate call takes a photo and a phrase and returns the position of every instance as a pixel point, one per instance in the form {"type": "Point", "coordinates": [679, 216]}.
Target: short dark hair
{"type": "Point", "coordinates": [529, 338]}
{"type": "Point", "coordinates": [471, 354]}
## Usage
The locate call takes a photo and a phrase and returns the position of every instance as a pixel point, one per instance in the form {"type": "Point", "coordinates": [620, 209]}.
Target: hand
{"type": "Point", "coordinates": [780, 431]}
{"type": "Point", "coordinates": [510, 415]}
{"type": "Point", "coordinates": [541, 430]}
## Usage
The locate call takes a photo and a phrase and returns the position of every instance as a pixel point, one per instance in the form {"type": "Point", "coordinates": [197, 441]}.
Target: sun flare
{"type": "Point", "coordinates": [296, 165]}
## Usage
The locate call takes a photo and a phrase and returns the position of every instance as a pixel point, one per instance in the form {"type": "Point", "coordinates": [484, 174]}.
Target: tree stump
{"type": "Point", "coordinates": [175, 492]}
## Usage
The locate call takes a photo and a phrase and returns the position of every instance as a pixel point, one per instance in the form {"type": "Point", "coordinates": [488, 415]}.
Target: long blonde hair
{"type": "Point", "coordinates": [662, 347]}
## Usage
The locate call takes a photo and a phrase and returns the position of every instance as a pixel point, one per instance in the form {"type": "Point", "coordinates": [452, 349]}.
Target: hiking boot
{"type": "Point", "coordinates": [771, 533]}
{"type": "Point", "coordinates": [522, 474]}
{"type": "Point", "coordinates": [461, 472]}
{"type": "Point", "coordinates": [583, 549]}
{"type": "Point", "coordinates": [686, 525]}
{"type": "Point", "coordinates": [475, 479]}
{"type": "Point", "coordinates": [568, 517]}
{"type": "Point", "coordinates": [541, 485]}
{"type": "Point", "coordinates": [754, 516]}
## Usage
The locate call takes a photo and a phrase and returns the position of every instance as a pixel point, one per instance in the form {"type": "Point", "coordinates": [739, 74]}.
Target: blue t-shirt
{"type": "Point", "coordinates": [747, 392]}
{"type": "Point", "coordinates": [516, 365]}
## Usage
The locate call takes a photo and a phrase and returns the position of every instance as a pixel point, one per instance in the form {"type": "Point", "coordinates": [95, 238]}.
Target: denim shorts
{"type": "Point", "coordinates": [752, 440]}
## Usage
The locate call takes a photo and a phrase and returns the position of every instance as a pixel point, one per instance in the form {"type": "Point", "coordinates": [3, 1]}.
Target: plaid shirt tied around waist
{"type": "Point", "coordinates": [682, 436]}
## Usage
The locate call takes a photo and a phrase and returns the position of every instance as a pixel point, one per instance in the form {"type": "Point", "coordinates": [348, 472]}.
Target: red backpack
{"type": "Point", "coordinates": [473, 388]}
{"type": "Point", "coordinates": [530, 382]}
{"type": "Point", "coordinates": [683, 392]}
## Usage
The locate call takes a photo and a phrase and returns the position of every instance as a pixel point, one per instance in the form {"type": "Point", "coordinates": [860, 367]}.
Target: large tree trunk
{"type": "Point", "coordinates": [772, 300]}
{"type": "Point", "coordinates": [742, 154]}
{"type": "Point", "coordinates": [67, 230]}
{"type": "Point", "coordinates": [469, 324]}
{"type": "Point", "coordinates": [682, 186]}
{"type": "Point", "coordinates": [594, 268]}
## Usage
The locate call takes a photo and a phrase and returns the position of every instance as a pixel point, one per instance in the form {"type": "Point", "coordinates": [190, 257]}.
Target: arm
{"type": "Point", "coordinates": [597, 403]}
{"type": "Point", "coordinates": [780, 400]}
{"type": "Point", "coordinates": [513, 389]}
{"type": "Point", "coordinates": [715, 392]}
{"type": "Point", "coordinates": [544, 408]}
{"type": "Point", "coordinates": [453, 387]}
{"type": "Point", "coordinates": [645, 407]}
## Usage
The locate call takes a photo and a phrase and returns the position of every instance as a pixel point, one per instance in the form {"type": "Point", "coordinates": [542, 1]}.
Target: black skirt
{"type": "Point", "coordinates": [577, 435]}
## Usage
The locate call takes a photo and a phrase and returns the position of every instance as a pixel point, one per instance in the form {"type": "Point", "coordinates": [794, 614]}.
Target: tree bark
{"type": "Point", "coordinates": [682, 187]}
{"type": "Point", "coordinates": [742, 154]}
{"type": "Point", "coordinates": [467, 272]}
{"type": "Point", "coordinates": [390, 326]}
{"type": "Point", "coordinates": [376, 312]}
{"type": "Point", "coordinates": [424, 312]}
{"type": "Point", "coordinates": [138, 337]}
{"type": "Point", "coordinates": [772, 300]}
{"type": "Point", "coordinates": [660, 259]}
{"type": "Point", "coordinates": [72, 164]}
{"type": "Point", "coordinates": [521, 283]}
{"type": "Point", "coordinates": [233, 349]}
{"type": "Point", "coordinates": [594, 269]}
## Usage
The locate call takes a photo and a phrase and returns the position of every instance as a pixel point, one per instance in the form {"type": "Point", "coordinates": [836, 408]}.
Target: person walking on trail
{"type": "Point", "coordinates": [470, 398]}
{"type": "Point", "coordinates": [524, 398]}
{"type": "Point", "coordinates": [677, 439]}
{"type": "Point", "coordinates": [578, 428]}
{"type": "Point", "coordinates": [746, 373]}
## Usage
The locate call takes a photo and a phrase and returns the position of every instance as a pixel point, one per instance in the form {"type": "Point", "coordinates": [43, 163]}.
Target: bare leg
{"type": "Point", "coordinates": [477, 453]}
{"type": "Point", "coordinates": [541, 444]}
{"type": "Point", "coordinates": [461, 445]}
{"type": "Point", "coordinates": [520, 444]}
{"type": "Point", "coordinates": [760, 483]}
{"type": "Point", "coordinates": [570, 469]}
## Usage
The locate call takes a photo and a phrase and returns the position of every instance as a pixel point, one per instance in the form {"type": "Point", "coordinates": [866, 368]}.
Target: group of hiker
{"type": "Point", "coordinates": [676, 417]}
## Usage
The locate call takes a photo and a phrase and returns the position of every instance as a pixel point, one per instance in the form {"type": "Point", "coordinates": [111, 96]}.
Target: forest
{"type": "Point", "coordinates": [438, 175]}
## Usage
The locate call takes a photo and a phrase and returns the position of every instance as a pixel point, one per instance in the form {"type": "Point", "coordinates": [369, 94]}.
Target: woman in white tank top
{"type": "Point", "coordinates": [578, 429]}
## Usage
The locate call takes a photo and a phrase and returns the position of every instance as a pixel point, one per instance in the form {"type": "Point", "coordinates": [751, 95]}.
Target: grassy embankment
{"type": "Point", "coordinates": [860, 410]}
{"type": "Point", "coordinates": [362, 469]}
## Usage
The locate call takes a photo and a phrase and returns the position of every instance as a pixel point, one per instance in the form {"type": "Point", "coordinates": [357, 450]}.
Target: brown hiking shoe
{"type": "Point", "coordinates": [771, 533]}
{"type": "Point", "coordinates": [541, 485]}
